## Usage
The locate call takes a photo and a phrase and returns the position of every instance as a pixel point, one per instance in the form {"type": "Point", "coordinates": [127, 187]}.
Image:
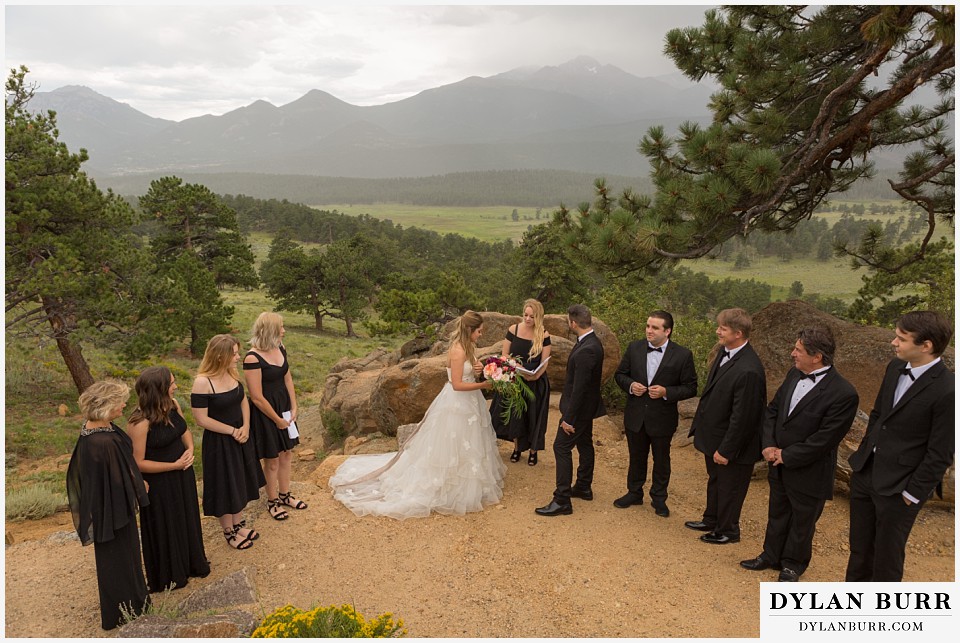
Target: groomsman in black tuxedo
{"type": "Point", "coordinates": [906, 450]}
{"type": "Point", "coordinates": [656, 373]}
{"type": "Point", "coordinates": [726, 427]}
{"type": "Point", "coordinates": [806, 420]}
{"type": "Point", "coordinates": [580, 403]}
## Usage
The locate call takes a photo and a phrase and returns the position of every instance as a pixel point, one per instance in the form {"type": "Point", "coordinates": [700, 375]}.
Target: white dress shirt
{"type": "Point", "coordinates": [805, 385]}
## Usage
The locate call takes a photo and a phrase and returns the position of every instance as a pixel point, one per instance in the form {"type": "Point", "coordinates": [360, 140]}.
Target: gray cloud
{"type": "Point", "coordinates": [179, 61]}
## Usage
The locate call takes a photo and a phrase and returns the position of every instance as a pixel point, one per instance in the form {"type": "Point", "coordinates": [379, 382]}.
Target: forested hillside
{"type": "Point", "coordinates": [519, 188]}
{"type": "Point", "coordinates": [526, 188]}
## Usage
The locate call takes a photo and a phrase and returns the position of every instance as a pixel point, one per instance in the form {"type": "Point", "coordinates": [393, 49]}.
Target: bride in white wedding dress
{"type": "Point", "coordinates": [451, 463]}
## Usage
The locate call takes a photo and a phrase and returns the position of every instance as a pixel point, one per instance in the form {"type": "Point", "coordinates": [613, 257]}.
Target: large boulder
{"type": "Point", "coordinates": [562, 339]}
{"type": "Point", "coordinates": [863, 353]}
{"type": "Point", "coordinates": [378, 395]}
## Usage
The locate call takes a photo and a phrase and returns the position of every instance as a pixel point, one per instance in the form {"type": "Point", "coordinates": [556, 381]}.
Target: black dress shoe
{"type": "Point", "coordinates": [662, 510]}
{"type": "Point", "coordinates": [719, 539]}
{"type": "Point", "coordinates": [628, 500]}
{"type": "Point", "coordinates": [554, 509]}
{"type": "Point", "coordinates": [698, 525]}
{"type": "Point", "coordinates": [583, 495]}
{"type": "Point", "coordinates": [757, 564]}
{"type": "Point", "coordinates": [788, 575]}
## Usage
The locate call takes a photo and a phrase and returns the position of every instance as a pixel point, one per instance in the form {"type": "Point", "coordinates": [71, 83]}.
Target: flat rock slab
{"type": "Point", "coordinates": [232, 624]}
{"type": "Point", "coordinates": [239, 588]}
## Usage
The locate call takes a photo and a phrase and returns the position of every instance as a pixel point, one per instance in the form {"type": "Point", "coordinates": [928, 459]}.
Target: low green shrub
{"type": "Point", "coordinates": [34, 501]}
{"type": "Point", "coordinates": [327, 622]}
{"type": "Point", "coordinates": [333, 423]}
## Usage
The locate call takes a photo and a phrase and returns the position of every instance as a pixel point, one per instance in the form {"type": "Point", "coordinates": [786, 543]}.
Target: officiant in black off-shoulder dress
{"type": "Point", "coordinates": [529, 342]}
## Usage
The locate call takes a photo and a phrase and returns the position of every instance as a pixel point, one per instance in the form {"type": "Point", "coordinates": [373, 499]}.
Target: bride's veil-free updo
{"type": "Point", "coordinates": [467, 323]}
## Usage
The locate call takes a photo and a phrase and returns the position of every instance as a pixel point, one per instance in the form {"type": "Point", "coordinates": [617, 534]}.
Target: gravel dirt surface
{"type": "Point", "coordinates": [502, 572]}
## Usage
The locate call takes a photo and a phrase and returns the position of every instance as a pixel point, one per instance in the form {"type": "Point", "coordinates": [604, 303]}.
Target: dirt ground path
{"type": "Point", "coordinates": [503, 572]}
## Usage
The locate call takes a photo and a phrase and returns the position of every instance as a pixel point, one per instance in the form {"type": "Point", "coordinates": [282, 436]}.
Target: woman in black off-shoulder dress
{"type": "Point", "coordinates": [104, 488]}
{"type": "Point", "coordinates": [529, 342]}
{"type": "Point", "coordinates": [232, 476]}
{"type": "Point", "coordinates": [163, 448]}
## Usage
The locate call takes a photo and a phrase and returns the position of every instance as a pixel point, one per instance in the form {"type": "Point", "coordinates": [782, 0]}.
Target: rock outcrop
{"type": "Point", "coordinates": [862, 356]}
{"type": "Point", "coordinates": [382, 391]}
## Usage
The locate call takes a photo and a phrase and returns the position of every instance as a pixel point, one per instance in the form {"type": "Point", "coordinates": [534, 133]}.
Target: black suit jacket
{"type": "Point", "coordinates": [580, 401]}
{"type": "Point", "coordinates": [912, 442]}
{"type": "Point", "coordinates": [809, 436]}
{"type": "Point", "coordinates": [676, 373]}
{"type": "Point", "coordinates": [729, 417]}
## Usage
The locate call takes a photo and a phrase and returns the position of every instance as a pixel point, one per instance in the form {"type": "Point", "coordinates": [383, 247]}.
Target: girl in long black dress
{"type": "Point", "coordinates": [163, 449]}
{"type": "Point", "coordinates": [104, 488]}
{"type": "Point", "coordinates": [530, 342]}
{"type": "Point", "coordinates": [267, 374]}
{"type": "Point", "coordinates": [232, 476]}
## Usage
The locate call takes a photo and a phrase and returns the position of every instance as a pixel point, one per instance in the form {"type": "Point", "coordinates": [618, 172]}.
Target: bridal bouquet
{"type": "Point", "coordinates": [513, 389]}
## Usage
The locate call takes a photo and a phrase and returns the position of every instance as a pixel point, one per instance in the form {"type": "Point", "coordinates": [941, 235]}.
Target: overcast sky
{"type": "Point", "coordinates": [177, 62]}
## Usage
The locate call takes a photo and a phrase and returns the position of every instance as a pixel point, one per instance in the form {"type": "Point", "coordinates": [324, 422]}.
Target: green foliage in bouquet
{"type": "Point", "coordinates": [514, 391]}
{"type": "Point", "coordinates": [327, 622]}
{"type": "Point", "coordinates": [516, 395]}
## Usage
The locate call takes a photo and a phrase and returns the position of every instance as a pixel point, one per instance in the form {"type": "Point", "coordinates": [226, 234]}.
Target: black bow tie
{"type": "Point", "coordinates": [655, 349]}
{"type": "Point", "coordinates": [906, 371]}
{"type": "Point", "coordinates": [810, 376]}
{"type": "Point", "coordinates": [725, 354]}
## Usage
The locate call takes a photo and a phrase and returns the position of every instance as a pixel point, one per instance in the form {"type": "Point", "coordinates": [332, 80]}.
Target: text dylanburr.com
{"type": "Point", "coordinates": [853, 610]}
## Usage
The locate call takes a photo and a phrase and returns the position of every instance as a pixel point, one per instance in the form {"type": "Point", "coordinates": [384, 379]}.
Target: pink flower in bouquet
{"type": "Point", "coordinates": [502, 371]}
{"type": "Point", "coordinates": [490, 370]}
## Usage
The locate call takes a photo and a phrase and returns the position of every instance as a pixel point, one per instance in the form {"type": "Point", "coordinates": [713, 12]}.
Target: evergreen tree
{"type": "Point", "coordinates": [193, 219]}
{"type": "Point", "coordinates": [801, 110]}
{"type": "Point", "coordinates": [199, 308]}
{"type": "Point", "coordinates": [199, 249]}
{"type": "Point", "coordinates": [547, 271]}
{"type": "Point", "coordinates": [347, 284]}
{"type": "Point", "coordinates": [74, 270]}
{"type": "Point", "coordinates": [294, 279]}
{"type": "Point", "coordinates": [796, 290]}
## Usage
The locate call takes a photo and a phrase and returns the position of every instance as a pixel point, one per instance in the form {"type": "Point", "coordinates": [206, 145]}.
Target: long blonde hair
{"type": "Point", "coordinates": [467, 323]}
{"type": "Point", "coordinates": [537, 346]}
{"type": "Point", "coordinates": [265, 335]}
{"type": "Point", "coordinates": [218, 357]}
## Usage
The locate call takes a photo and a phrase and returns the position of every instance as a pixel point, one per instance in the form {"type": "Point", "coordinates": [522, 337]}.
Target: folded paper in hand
{"type": "Point", "coordinates": [292, 429]}
{"type": "Point", "coordinates": [520, 369]}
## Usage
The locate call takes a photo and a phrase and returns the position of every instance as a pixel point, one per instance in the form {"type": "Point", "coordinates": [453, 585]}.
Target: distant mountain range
{"type": "Point", "coordinates": [580, 116]}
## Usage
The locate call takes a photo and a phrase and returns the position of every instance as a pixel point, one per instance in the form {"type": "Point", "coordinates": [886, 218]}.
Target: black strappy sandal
{"type": "Point", "coordinates": [252, 535]}
{"type": "Point", "coordinates": [532, 460]}
{"type": "Point", "coordinates": [515, 456]}
{"type": "Point", "coordinates": [275, 504]}
{"type": "Point", "coordinates": [231, 537]}
{"type": "Point", "coordinates": [285, 499]}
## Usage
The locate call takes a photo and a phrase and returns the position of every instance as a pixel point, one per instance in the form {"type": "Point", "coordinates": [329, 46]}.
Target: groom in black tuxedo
{"type": "Point", "coordinates": [656, 373]}
{"type": "Point", "coordinates": [580, 403]}
{"type": "Point", "coordinates": [726, 427]}
{"type": "Point", "coordinates": [906, 450]}
{"type": "Point", "coordinates": [806, 420]}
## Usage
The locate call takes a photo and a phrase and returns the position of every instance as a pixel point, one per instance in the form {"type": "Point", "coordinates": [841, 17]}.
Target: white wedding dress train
{"type": "Point", "coordinates": [450, 465]}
